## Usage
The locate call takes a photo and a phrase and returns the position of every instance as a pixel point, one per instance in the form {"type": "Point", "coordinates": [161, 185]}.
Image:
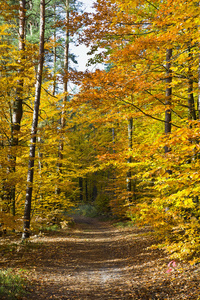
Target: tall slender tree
{"type": "Point", "coordinates": [65, 91]}
{"type": "Point", "coordinates": [129, 160]}
{"type": "Point", "coordinates": [17, 110]}
{"type": "Point", "coordinates": [27, 209]}
{"type": "Point", "coordinates": [191, 102]}
{"type": "Point", "coordinates": [168, 100]}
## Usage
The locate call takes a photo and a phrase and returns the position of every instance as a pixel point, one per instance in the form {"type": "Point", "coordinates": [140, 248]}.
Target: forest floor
{"type": "Point", "coordinates": [96, 260]}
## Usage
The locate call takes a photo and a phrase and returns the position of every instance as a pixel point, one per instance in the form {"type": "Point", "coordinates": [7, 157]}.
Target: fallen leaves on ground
{"type": "Point", "coordinates": [96, 260]}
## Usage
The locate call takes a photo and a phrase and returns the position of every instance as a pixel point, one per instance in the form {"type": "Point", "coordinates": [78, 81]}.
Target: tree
{"type": "Point", "coordinates": [129, 160]}
{"type": "Point", "coordinates": [16, 68]}
{"type": "Point", "coordinates": [135, 36]}
{"type": "Point", "coordinates": [65, 90]}
{"type": "Point", "coordinates": [17, 104]}
{"type": "Point", "coordinates": [27, 209]}
{"type": "Point", "coordinates": [151, 80]}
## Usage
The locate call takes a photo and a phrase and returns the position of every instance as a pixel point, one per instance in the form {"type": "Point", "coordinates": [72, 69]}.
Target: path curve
{"type": "Point", "coordinates": [97, 261]}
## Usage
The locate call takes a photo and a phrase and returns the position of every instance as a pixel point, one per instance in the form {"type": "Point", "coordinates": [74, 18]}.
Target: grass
{"type": "Point", "coordinates": [123, 224]}
{"type": "Point", "coordinates": [12, 286]}
{"type": "Point", "coordinates": [54, 227]}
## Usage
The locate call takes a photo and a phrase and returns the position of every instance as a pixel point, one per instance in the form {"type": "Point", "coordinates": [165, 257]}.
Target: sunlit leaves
{"type": "Point", "coordinates": [137, 34]}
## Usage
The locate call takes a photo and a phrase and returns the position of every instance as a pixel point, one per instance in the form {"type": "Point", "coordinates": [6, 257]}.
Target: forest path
{"type": "Point", "coordinates": [96, 260]}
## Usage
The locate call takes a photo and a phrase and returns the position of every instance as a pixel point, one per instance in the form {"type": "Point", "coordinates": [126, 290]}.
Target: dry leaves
{"type": "Point", "coordinates": [98, 261]}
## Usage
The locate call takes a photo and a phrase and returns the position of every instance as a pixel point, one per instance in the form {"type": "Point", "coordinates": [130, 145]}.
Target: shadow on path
{"type": "Point", "coordinates": [98, 261]}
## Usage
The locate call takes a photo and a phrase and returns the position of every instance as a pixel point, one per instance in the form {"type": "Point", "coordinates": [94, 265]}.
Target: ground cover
{"type": "Point", "coordinates": [96, 260]}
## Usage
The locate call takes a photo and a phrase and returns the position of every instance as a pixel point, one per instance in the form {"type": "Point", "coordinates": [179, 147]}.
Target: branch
{"type": "Point", "coordinates": [49, 93]}
{"type": "Point", "coordinates": [152, 4]}
{"type": "Point", "coordinates": [163, 103]}
{"type": "Point", "coordinates": [28, 106]}
{"type": "Point", "coordinates": [32, 110]}
{"type": "Point", "coordinates": [148, 115]}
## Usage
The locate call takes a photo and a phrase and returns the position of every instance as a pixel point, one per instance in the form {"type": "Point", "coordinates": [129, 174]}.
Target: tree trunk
{"type": "Point", "coordinates": [129, 160]}
{"type": "Point", "coordinates": [198, 101]}
{"type": "Point", "coordinates": [168, 94]}
{"type": "Point", "coordinates": [27, 209]}
{"type": "Point", "coordinates": [54, 56]}
{"type": "Point", "coordinates": [191, 105]}
{"type": "Point", "coordinates": [168, 101]}
{"type": "Point", "coordinates": [113, 171]}
{"type": "Point", "coordinates": [65, 90]}
{"type": "Point", "coordinates": [86, 190]}
{"type": "Point", "coordinates": [113, 139]}
{"type": "Point", "coordinates": [17, 105]}
{"type": "Point", "coordinates": [80, 181]}
{"type": "Point", "coordinates": [17, 110]}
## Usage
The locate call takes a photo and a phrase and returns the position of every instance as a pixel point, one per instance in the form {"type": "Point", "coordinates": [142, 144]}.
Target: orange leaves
{"type": "Point", "coordinates": [8, 11]}
{"type": "Point", "coordinates": [136, 35]}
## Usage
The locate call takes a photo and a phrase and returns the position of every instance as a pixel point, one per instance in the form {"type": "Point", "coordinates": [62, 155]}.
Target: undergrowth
{"type": "Point", "coordinates": [87, 210]}
{"type": "Point", "coordinates": [123, 224]}
{"type": "Point", "coordinates": [12, 285]}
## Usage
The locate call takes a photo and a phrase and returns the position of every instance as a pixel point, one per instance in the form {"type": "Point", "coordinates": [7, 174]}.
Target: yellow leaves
{"type": "Point", "coordinates": [135, 86]}
{"type": "Point", "coordinates": [9, 222]}
{"type": "Point", "coordinates": [5, 30]}
{"type": "Point", "coordinates": [129, 5]}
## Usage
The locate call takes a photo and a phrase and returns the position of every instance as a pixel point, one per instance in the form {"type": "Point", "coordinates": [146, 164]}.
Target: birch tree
{"type": "Point", "coordinates": [29, 189]}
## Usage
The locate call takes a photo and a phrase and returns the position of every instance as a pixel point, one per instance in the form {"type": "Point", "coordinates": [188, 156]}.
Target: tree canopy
{"type": "Point", "coordinates": [127, 140]}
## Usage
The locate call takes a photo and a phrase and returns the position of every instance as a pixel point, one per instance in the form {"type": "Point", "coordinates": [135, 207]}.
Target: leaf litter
{"type": "Point", "coordinates": [96, 260]}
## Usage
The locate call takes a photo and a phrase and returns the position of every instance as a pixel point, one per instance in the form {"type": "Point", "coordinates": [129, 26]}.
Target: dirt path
{"type": "Point", "coordinates": [98, 261]}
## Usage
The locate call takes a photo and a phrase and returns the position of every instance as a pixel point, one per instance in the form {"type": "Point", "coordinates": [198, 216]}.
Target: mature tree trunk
{"type": "Point", "coordinates": [94, 192]}
{"type": "Point", "coordinates": [168, 101]}
{"type": "Point", "coordinates": [66, 70]}
{"type": "Point", "coordinates": [40, 166]}
{"type": "Point", "coordinates": [113, 171]}
{"type": "Point", "coordinates": [113, 139]}
{"type": "Point", "coordinates": [27, 209]}
{"type": "Point", "coordinates": [80, 181]}
{"type": "Point", "coordinates": [17, 105]}
{"type": "Point", "coordinates": [16, 110]}
{"type": "Point", "coordinates": [86, 190]}
{"type": "Point", "coordinates": [129, 160]}
{"type": "Point", "coordinates": [65, 90]}
{"type": "Point", "coordinates": [168, 94]}
{"type": "Point", "coordinates": [191, 105]}
{"type": "Point", "coordinates": [198, 101]}
{"type": "Point", "coordinates": [54, 56]}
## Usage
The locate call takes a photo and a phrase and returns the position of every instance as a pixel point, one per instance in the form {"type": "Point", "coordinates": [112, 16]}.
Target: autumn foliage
{"type": "Point", "coordinates": [121, 153]}
{"type": "Point", "coordinates": [134, 37]}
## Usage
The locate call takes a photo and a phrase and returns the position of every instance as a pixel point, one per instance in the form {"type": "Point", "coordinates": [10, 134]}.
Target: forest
{"type": "Point", "coordinates": [123, 137]}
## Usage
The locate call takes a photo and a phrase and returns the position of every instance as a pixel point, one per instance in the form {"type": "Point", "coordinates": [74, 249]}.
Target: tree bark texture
{"type": "Point", "coordinates": [198, 101]}
{"type": "Point", "coordinates": [168, 94]}
{"type": "Point", "coordinates": [54, 56]}
{"type": "Point", "coordinates": [80, 181]}
{"type": "Point", "coordinates": [129, 160]}
{"type": "Point", "coordinates": [191, 105]}
{"type": "Point", "coordinates": [27, 209]}
{"type": "Point", "coordinates": [17, 109]}
{"type": "Point", "coordinates": [17, 105]}
{"type": "Point", "coordinates": [65, 90]}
